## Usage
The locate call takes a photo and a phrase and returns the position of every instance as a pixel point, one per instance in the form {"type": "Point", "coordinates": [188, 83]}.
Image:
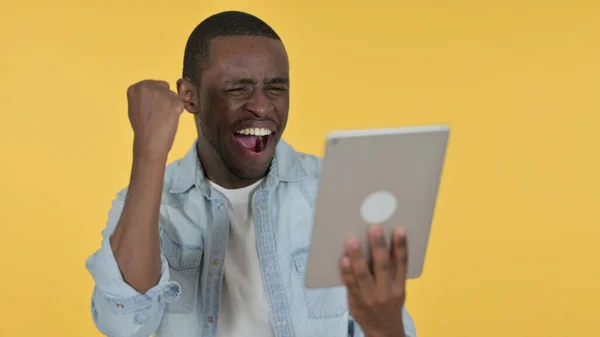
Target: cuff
{"type": "Point", "coordinates": [120, 297]}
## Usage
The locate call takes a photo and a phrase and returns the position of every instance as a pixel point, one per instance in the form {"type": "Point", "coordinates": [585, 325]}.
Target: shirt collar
{"type": "Point", "coordinates": [188, 172]}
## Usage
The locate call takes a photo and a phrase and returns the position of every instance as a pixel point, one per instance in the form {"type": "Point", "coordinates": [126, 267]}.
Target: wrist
{"type": "Point", "coordinates": [147, 167]}
{"type": "Point", "coordinates": [144, 155]}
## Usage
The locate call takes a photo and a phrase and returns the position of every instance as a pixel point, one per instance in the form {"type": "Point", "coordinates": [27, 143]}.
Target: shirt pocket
{"type": "Point", "coordinates": [320, 302]}
{"type": "Point", "coordinates": [184, 268]}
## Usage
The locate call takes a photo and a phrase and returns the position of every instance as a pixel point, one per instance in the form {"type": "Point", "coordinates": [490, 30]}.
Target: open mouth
{"type": "Point", "coordinates": [253, 139]}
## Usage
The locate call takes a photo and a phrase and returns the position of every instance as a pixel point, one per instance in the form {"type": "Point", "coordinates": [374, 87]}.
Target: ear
{"type": "Point", "coordinates": [188, 93]}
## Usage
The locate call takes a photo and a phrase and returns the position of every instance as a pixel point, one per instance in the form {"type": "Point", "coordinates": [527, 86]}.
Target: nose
{"type": "Point", "coordinates": [259, 104]}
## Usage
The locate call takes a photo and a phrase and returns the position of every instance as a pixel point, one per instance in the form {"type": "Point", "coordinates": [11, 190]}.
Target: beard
{"type": "Point", "coordinates": [220, 143]}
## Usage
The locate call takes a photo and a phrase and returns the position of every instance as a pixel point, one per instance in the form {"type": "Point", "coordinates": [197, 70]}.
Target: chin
{"type": "Point", "coordinates": [250, 169]}
{"type": "Point", "coordinates": [247, 163]}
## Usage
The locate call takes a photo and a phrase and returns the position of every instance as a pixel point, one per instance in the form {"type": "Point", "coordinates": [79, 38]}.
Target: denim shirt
{"type": "Point", "coordinates": [194, 227]}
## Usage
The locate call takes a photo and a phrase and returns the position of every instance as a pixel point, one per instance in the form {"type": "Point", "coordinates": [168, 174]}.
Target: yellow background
{"type": "Point", "coordinates": [515, 246]}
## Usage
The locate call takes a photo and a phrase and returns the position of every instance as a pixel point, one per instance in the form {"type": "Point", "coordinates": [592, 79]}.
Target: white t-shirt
{"type": "Point", "coordinates": [245, 308]}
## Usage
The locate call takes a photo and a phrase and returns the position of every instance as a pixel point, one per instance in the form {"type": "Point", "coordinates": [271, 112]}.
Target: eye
{"type": "Point", "coordinates": [276, 89]}
{"type": "Point", "coordinates": [235, 92]}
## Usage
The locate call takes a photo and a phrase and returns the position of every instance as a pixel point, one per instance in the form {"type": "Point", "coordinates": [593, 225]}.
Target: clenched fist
{"type": "Point", "coordinates": [154, 112]}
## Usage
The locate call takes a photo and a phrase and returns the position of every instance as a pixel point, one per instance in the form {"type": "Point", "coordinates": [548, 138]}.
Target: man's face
{"type": "Point", "coordinates": [244, 101]}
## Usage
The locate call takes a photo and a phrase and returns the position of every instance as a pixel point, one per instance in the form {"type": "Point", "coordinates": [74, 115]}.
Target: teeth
{"type": "Point", "coordinates": [255, 132]}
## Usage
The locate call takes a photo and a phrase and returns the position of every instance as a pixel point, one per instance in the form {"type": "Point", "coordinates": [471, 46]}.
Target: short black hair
{"type": "Point", "coordinates": [229, 23]}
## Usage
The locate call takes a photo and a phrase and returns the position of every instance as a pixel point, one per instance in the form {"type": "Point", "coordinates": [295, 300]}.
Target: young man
{"type": "Point", "coordinates": [215, 244]}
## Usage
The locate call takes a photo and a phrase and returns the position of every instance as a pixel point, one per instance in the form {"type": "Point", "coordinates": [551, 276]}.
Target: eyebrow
{"type": "Point", "coordinates": [249, 81]}
{"type": "Point", "coordinates": [279, 80]}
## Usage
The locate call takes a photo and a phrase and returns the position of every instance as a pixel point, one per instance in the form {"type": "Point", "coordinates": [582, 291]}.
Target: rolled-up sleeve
{"type": "Point", "coordinates": [119, 310]}
{"type": "Point", "coordinates": [410, 330]}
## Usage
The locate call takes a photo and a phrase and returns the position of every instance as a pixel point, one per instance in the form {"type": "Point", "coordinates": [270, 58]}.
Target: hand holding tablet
{"type": "Point", "coordinates": [375, 179]}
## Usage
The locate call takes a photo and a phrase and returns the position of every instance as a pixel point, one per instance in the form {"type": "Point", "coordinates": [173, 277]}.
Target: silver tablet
{"type": "Point", "coordinates": [383, 176]}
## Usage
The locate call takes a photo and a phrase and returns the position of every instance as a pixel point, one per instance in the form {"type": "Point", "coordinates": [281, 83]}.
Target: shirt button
{"type": "Point", "coordinates": [281, 323]}
{"type": "Point", "coordinates": [120, 305]}
{"type": "Point", "coordinates": [216, 262]}
{"type": "Point", "coordinates": [211, 319]}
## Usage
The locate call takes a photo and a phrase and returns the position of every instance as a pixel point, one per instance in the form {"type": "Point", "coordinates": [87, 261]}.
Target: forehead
{"type": "Point", "coordinates": [248, 56]}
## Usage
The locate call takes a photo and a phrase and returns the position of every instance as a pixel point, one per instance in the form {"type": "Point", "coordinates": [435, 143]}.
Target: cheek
{"type": "Point", "coordinates": [282, 108]}
{"type": "Point", "coordinates": [219, 103]}
{"type": "Point", "coordinates": [216, 114]}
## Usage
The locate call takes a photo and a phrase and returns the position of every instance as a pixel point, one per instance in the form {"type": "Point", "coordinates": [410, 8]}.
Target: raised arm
{"type": "Point", "coordinates": [129, 271]}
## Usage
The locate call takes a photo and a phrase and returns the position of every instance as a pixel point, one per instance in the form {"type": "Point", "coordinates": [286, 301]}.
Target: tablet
{"type": "Point", "coordinates": [388, 177]}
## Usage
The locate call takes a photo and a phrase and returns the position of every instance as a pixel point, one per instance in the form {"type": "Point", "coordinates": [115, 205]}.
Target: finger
{"type": "Point", "coordinates": [400, 250]}
{"type": "Point", "coordinates": [348, 275]}
{"type": "Point", "coordinates": [177, 103]}
{"type": "Point", "coordinates": [179, 107]}
{"type": "Point", "coordinates": [360, 269]}
{"type": "Point", "coordinates": [161, 84]}
{"type": "Point", "coordinates": [381, 262]}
